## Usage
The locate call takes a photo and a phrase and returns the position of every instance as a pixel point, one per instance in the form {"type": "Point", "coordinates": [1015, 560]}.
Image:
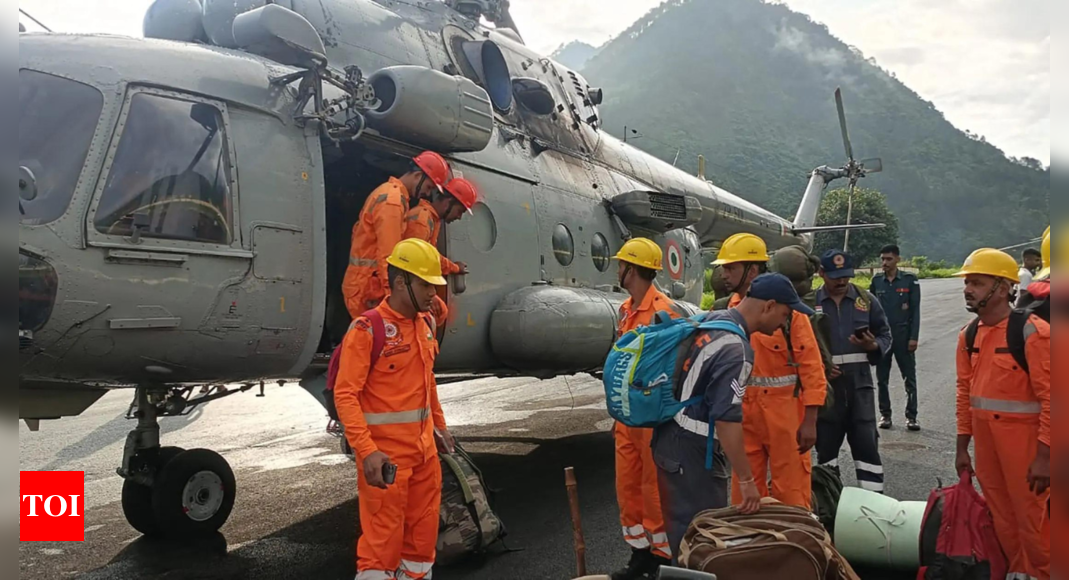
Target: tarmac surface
{"type": "Point", "coordinates": [296, 512]}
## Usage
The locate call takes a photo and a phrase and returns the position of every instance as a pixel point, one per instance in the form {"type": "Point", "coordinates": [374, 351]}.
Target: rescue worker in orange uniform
{"type": "Point", "coordinates": [424, 222]}
{"type": "Point", "coordinates": [393, 420]}
{"type": "Point", "coordinates": [381, 226]}
{"type": "Point", "coordinates": [636, 474]}
{"type": "Point", "coordinates": [1006, 411]}
{"type": "Point", "coordinates": [786, 390]}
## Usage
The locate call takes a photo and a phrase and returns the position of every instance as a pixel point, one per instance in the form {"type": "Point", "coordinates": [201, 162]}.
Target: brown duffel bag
{"type": "Point", "coordinates": [778, 542]}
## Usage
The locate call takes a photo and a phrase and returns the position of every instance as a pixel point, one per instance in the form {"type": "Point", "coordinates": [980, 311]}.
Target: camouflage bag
{"type": "Point", "coordinates": [467, 524]}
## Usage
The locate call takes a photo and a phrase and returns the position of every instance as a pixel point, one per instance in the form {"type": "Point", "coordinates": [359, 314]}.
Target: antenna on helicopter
{"type": "Point", "coordinates": [35, 21]}
{"type": "Point", "coordinates": [854, 170]}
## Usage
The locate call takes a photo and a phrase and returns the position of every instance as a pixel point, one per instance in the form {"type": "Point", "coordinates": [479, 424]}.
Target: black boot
{"type": "Point", "coordinates": [655, 568]}
{"type": "Point", "coordinates": [638, 568]}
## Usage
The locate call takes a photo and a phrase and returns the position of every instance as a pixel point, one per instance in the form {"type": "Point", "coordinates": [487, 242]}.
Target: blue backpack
{"type": "Point", "coordinates": [646, 365]}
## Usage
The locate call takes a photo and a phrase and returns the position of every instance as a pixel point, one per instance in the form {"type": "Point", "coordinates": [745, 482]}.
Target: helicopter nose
{"type": "Point", "coordinates": [38, 283]}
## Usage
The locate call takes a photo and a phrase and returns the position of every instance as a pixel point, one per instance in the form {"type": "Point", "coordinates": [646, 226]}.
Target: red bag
{"type": "Point", "coordinates": [378, 327]}
{"type": "Point", "coordinates": [958, 540]}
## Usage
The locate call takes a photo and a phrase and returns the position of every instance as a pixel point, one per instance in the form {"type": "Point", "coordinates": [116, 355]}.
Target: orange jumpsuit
{"type": "Point", "coordinates": [636, 473]}
{"type": "Point", "coordinates": [423, 223]}
{"type": "Point", "coordinates": [1007, 412]}
{"type": "Point", "coordinates": [773, 415]}
{"type": "Point", "coordinates": [379, 229]}
{"type": "Point", "coordinates": [394, 408]}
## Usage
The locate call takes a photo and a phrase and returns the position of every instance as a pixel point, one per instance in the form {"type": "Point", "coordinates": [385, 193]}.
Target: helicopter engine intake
{"type": "Point", "coordinates": [449, 114]}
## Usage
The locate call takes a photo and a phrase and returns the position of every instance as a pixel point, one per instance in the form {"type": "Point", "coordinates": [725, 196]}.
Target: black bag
{"type": "Point", "coordinates": [827, 490]}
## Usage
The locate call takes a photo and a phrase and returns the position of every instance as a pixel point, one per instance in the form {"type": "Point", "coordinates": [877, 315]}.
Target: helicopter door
{"type": "Point", "coordinates": [164, 227]}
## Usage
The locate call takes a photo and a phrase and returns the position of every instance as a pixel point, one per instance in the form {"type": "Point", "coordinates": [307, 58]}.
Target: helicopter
{"type": "Point", "coordinates": [186, 201]}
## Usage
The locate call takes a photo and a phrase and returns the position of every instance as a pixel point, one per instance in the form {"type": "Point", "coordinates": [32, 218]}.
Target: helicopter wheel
{"type": "Point", "coordinates": [193, 494]}
{"type": "Point", "coordinates": [137, 498]}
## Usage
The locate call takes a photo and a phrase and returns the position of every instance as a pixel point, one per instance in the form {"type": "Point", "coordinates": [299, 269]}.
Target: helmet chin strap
{"type": "Point", "coordinates": [412, 294]}
{"type": "Point", "coordinates": [419, 188]}
{"type": "Point", "coordinates": [983, 303]}
{"type": "Point", "coordinates": [623, 276]}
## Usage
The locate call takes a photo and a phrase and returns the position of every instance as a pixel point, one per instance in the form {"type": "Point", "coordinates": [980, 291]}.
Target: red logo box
{"type": "Point", "coordinates": [52, 506]}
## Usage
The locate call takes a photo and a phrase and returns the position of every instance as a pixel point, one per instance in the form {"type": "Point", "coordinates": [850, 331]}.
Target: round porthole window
{"type": "Point", "coordinates": [563, 245]}
{"type": "Point", "coordinates": [599, 250]}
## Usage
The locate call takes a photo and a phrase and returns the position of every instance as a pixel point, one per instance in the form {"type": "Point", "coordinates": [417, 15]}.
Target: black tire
{"type": "Point", "coordinates": [210, 498]}
{"type": "Point", "coordinates": [346, 449]}
{"type": "Point", "coordinates": [137, 498]}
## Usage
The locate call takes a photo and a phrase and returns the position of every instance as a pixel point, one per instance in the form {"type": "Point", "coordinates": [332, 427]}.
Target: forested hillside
{"type": "Point", "coordinates": [750, 85]}
{"type": "Point", "coordinates": [574, 55]}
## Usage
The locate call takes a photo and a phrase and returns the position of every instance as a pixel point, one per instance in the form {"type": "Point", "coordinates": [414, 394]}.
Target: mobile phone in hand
{"type": "Point", "coordinates": [861, 332]}
{"type": "Point", "coordinates": [389, 473]}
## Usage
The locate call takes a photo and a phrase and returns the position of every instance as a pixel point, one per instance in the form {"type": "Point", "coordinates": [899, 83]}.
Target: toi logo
{"type": "Point", "coordinates": [52, 506]}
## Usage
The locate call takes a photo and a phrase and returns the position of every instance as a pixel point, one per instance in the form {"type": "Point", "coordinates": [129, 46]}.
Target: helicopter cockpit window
{"type": "Point", "coordinates": [57, 120]}
{"type": "Point", "coordinates": [171, 175]}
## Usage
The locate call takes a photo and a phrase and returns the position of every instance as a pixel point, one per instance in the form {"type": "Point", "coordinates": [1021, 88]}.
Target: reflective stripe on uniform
{"type": "Point", "coordinates": [410, 569]}
{"type": "Point", "coordinates": [774, 382]}
{"type": "Point", "coordinates": [635, 536]}
{"type": "Point", "coordinates": [399, 418]}
{"type": "Point", "coordinates": [374, 575]}
{"type": "Point", "coordinates": [634, 531]}
{"type": "Point", "coordinates": [638, 543]}
{"type": "Point", "coordinates": [660, 544]}
{"type": "Point", "coordinates": [850, 359]}
{"type": "Point", "coordinates": [1000, 406]}
{"type": "Point", "coordinates": [871, 486]}
{"type": "Point", "coordinates": [870, 468]}
{"type": "Point", "coordinates": [363, 262]}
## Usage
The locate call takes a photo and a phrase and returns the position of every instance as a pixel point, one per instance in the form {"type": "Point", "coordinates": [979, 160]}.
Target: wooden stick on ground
{"type": "Point", "coordinates": [577, 521]}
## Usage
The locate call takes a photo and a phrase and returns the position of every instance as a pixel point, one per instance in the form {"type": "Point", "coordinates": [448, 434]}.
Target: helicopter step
{"type": "Point", "coordinates": [169, 491]}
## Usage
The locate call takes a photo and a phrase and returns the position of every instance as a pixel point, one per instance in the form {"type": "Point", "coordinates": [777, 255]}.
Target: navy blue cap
{"type": "Point", "coordinates": [778, 288]}
{"type": "Point", "coordinates": [837, 264]}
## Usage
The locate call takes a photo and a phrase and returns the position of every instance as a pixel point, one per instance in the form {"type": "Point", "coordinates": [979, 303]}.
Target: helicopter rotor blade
{"type": "Point", "coordinates": [842, 123]}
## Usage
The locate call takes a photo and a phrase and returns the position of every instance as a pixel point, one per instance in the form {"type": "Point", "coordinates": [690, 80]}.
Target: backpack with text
{"type": "Point", "coordinates": [468, 525]}
{"type": "Point", "coordinates": [1034, 302]}
{"type": "Point", "coordinates": [646, 365]}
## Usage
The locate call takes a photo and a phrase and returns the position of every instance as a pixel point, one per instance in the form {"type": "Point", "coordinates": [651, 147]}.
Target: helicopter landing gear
{"type": "Point", "coordinates": [169, 491]}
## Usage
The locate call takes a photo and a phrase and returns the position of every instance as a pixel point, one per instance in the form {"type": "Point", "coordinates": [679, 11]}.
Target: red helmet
{"type": "Point", "coordinates": [433, 166]}
{"type": "Point", "coordinates": [464, 192]}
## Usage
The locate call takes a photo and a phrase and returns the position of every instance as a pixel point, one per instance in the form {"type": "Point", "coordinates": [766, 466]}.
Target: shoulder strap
{"type": "Point", "coordinates": [378, 335]}
{"type": "Point", "coordinates": [1015, 336]}
{"type": "Point", "coordinates": [678, 310]}
{"type": "Point", "coordinates": [791, 361]}
{"type": "Point", "coordinates": [724, 325]}
{"type": "Point", "coordinates": [970, 335]}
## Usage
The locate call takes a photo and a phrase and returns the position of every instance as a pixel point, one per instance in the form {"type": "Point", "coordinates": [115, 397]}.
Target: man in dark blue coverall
{"type": "Point", "coordinates": [900, 295]}
{"type": "Point", "coordinates": [692, 476]}
{"type": "Point", "coordinates": [860, 337]}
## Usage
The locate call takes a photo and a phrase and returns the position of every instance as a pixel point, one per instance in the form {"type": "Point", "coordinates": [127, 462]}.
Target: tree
{"type": "Point", "coordinates": [870, 207]}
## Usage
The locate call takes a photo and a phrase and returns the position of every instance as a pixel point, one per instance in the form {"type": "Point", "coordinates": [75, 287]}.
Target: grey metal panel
{"type": "Point", "coordinates": [278, 248]}
{"type": "Point", "coordinates": [508, 265]}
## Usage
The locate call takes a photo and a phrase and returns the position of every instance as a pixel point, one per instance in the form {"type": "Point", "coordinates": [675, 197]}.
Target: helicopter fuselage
{"type": "Point", "coordinates": [190, 230]}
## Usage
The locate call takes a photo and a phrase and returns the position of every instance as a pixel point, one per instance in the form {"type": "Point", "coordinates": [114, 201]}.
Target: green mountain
{"type": "Point", "coordinates": [750, 85]}
{"type": "Point", "coordinates": [574, 55]}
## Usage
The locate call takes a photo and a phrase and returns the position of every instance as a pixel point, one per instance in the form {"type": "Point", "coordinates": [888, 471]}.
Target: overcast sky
{"type": "Point", "coordinates": [985, 63]}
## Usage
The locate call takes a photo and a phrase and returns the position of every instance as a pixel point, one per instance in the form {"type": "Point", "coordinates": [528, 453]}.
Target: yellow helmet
{"type": "Point", "coordinates": [419, 259]}
{"type": "Point", "coordinates": [1045, 273]}
{"type": "Point", "coordinates": [642, 252]}
{"type": "Point", "coordinates": [991, 262]}
{"type": "Point", "coordinates": [742, 248]}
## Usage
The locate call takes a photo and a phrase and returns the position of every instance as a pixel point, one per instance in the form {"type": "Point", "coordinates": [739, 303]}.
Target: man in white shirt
{"type": "Point", "coordinates": [1033, 261]}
